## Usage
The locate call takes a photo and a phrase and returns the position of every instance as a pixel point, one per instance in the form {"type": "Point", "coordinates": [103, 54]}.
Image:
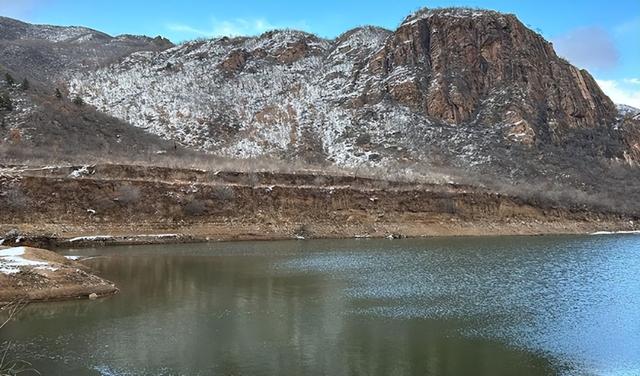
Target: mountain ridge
{"type": "Point", "coordinates": [466, 89]}
{"type": "Point", "coordinates": [365, 69]}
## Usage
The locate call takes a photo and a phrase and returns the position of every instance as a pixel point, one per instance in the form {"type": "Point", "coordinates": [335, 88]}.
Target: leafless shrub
{"type": "Point", "coordinates": [381, 184]}
{"type": "Point", "coordinates": [251, 179]}
{"type": "Point", "coordinates": [127, 194]}
{"type": "Point", "coordinates": [15, 198]}
{"type": "Point", "coordinates": [9, 367]}
{"type": "Point", "coordinates": [78, 101]}
{"type": "Point", "coordinates": [223, 193]}
{"type": "Point", "coordinates": [15, 367]}
{"type": "Point", "coordinates": [102, 203]}
{"type": "Point", "coordinates": [319, 181]}
{"type": "Point", "coordinates": [194, 207]}
{"type": "Point", "coordinates": [11, 310]}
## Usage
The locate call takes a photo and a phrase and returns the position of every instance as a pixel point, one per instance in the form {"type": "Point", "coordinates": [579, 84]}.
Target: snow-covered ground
{"type": "Point", "coordinates": [12, 261]}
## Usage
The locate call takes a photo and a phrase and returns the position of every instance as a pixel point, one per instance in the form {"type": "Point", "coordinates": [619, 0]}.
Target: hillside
{"type": "Point", "coordinates": [370, 95]}
{"type": "Point", "coordinates": [43, 126]}
{"type": "Point", "coordinates": [46, 53]}
{"type": "Point", "coordinates": [470, 96]}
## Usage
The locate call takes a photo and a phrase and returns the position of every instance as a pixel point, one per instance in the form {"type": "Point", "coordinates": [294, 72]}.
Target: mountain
{"type": "Point", "coordinates": [627, 111]}
{"type": "Point", "coordinates": [45, 53]}
{"type": "Point", "coordinates": [43, 126]}
{"type": "Point", "coordinates": [472, 91]}
{"type": "Point", "coordinates": [369, 94]}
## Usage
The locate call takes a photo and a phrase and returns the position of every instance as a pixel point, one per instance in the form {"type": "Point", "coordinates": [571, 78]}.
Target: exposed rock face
{"type": "Point", "coordinates": [454, 62]}
{"type": "Point", "coordinates": [235, 61]}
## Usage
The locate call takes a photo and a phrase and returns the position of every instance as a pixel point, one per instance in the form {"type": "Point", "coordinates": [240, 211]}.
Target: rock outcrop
{"type": "Point", "coordinates": [456, 63]}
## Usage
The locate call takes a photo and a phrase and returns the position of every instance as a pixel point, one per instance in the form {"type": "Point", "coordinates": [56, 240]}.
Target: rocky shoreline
{"type": "Point", "coordinates": [32, 274]}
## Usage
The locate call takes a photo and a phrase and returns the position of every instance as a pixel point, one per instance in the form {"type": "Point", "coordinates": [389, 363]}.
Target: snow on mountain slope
{"type": "Point", "coordinates": [46, 53]}
{"type": "Point", "coordinates": [244, 97]}
{"type": "Point", "coordinates": [450, 85]}
{"type": "Point", "coordinates": [626, 110]}
{"type": "Point", "coordinates": [11, 29]}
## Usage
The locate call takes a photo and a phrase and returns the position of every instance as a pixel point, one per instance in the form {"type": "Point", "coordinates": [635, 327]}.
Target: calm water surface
{"type": "Point", "coordinates": [451, 306]}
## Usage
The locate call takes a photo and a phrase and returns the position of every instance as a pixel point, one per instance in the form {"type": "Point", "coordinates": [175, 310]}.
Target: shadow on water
{"type": "Point", "coordinates": [455, 306]}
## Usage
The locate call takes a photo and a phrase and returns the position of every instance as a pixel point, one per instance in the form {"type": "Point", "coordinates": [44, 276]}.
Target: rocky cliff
{"type": "Point", "coordinates": [480, 66]}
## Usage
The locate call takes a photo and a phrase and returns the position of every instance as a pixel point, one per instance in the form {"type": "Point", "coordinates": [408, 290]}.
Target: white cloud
{"type": "Point", "coordinates": [588, 47]}
{"type": "Point", "coordinates": [625, 91]}
{"type": "Point", "coordinates": [235, 27]}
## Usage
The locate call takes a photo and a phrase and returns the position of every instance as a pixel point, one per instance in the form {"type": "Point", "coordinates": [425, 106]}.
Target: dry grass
{"type": "Point", "coordinates": [9, 367]}
{"type": "Point", "coordinates": [593, 183]}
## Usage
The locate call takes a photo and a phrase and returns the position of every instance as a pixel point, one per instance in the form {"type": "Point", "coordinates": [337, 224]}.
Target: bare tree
{"type": "Point", "coordinates": [12, 309]}
{"type": "Point", "coordinates": [13, 367]}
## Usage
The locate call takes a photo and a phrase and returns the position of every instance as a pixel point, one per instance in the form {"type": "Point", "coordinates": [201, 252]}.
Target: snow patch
{"type": "Point", "coordinates": [615, 232]}
{"type": "Point", "coordinates": [12, 260]}
{"type": "Point", "coordinates": [80, 172]}
{"type": "Point", "coordinates": [112, 237]}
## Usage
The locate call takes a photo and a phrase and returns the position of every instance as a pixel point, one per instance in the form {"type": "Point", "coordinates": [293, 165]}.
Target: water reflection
{"type": "Point", "coordinates": [487, 306]}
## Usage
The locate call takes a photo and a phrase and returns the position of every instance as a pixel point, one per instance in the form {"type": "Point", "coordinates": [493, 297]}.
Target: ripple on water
{"type": "Point", "coordinates": [577, 300]}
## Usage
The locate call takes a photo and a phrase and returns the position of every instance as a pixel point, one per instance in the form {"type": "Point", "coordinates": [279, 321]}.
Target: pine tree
{"type": "Point", "coordinates": [24, 85]}
{"type": "Point", "coordinates": [5, 102]}
{"type": "Point", "coordinates": [58, 93]}
{"type": "Point", "coordinates": [78, 101]}
{"type": "Point", "coordinates": [9, 79]}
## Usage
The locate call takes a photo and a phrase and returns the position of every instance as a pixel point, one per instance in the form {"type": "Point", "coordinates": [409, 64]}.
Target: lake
{"type": "Point", "coordinates": [567, 305]}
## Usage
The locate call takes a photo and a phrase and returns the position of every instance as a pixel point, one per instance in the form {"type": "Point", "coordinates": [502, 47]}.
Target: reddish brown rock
{"type": "Point", "coordinates": [462, 65]}
{"type": "Point", "coordinates": [235, 61]}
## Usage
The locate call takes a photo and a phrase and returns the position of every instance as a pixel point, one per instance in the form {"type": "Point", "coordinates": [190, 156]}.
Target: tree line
{"type": "Point", "coordinates": [6, 103]}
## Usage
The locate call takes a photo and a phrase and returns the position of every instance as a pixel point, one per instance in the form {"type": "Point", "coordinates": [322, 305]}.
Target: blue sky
{"type": "Point", "coordinates": [603, 37]}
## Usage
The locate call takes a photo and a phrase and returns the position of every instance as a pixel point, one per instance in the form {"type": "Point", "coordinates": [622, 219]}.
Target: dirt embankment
{"type": "Point", "coordinates": [32, 274]}
{"type": "Point", "coordinates": [135, 204]}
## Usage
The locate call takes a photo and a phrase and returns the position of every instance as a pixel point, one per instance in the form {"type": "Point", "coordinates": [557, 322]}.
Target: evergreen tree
{"type": "Point", "coordinates": [5, 102]}
{"type": "Point", "coordinates": [9, 79]}
{"type": "Point", "coordinates": [25, 84]}
{"type": "Point", "coordinates": [78, 101]}
{"type": "Point", "coordinates": [58, 93]}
